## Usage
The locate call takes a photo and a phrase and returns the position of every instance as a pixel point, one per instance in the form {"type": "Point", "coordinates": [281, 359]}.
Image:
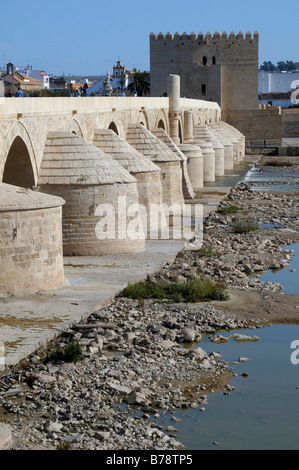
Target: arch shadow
{"type": "Point", "coordinates": [19, 166]}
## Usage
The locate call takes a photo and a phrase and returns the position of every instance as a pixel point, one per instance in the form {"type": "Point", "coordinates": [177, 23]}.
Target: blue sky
{"type": "Point", "coordinates": [76, 37]}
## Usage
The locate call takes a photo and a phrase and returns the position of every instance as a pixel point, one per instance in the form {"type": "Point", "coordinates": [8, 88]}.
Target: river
{"type": "Point", "coordinates": [262, 413]}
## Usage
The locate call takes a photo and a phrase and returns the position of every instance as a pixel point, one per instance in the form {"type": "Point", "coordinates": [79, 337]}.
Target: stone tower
{"type": "Point", "coordinates": [217, 68]}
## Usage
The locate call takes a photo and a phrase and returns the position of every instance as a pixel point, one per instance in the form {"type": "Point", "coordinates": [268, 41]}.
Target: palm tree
{"type": "Point", "coordinates": [140, 83]}
{"type": "Point", "coordinates": [122, 82]}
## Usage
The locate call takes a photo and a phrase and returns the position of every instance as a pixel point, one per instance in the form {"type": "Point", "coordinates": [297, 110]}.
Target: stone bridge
{"type": "Point", "coordinates": [25, 124]}
{"type": "Point", "coordinates": [85, 153]}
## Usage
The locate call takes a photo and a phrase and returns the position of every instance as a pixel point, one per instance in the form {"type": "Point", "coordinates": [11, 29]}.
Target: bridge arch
{"type": "Point", "coordinates": [113, 127]}
{"type": "Point", "coordinates": [19, 166]}
{"type": "Point", "coordinates": [161, 125]}
{"type": "Point", "coordinates": [162, 121]}
{"type": "Point", "coordinates": [180, 131]}
{"type": "Point", "coordinates": [143, 119]}
{"type": "Point", "coordinates": [75, 128]}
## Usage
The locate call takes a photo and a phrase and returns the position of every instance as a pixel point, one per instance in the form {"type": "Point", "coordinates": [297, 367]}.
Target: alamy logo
{"type": "Point", "coordinates": [295, 354]}
{"type": "Point", "coordinates": [2, 355]}
{"type": "Point", "coordinates": [123, 221]}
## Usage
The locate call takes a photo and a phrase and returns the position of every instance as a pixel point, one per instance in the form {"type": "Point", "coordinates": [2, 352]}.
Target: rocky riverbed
{"type": "Point", "coordinates": [133, 358]}
{"type": "Point", "coordinates": [232, 257]}
{"type": "Point", "coordinates": [141, 359]}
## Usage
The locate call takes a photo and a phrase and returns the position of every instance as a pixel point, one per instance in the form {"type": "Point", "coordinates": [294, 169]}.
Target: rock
{"type": "Point", "coordinates": [93, 350]}
{"type": "Point", "coordinates": [205, 364]}
{"type": "Point", "coordinates": [5, 436]}
{"type": "Point", "coordinates": [45, 378]}
{"type": "Point", "coordinates": [176, 419]}
{"type": "Point", "coordinates": [167, 344]}
{"type": "Point", "coordinates": [240, 337]}
{"type": "Point", "coordinates": [136, 398]}
{"type": "Point", "coordinates": [171, 429]}
{"type": "Point", "coordinates": [12, 391]}
{"type": "Point", "coordinates": [51, 427]}
{"type": "Point", "coordinates": [129, 336]}
{"type": "Point", "coordinates": [198, 354]}
{"type": "Point", "coordinates": [219, 339]}
{"type": "Point", "coordinates": [194, 405]}
{"type": "Point", "coordinates": [244, 359]}
{"type": "Point", "coordinates": [189, 335]}
{"type": "Point", "coordinates": [120, 388]}
{"type": "Point", "coordinates": [102, 435]}
{"type": "Point", "coordinates": [73, 439]}
{"type": "Point", "coordinates": [105, 415]}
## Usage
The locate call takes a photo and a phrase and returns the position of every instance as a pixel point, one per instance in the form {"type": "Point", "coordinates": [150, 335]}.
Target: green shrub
{"type": "Point", "coordinates": [229, 210]}
{"type": "Point", "coordinates": [71, 352]}
{"type": "Point", "coordinates": [194, 290]}
{"type": "Point", "coordinates": [64, 445]}
{"type": "Point", "coordinates": [208, 252]}
{"type": "Point", "coordinates": [245, 226]}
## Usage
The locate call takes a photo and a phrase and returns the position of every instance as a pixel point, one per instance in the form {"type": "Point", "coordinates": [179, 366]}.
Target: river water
{"type": "Point", "coordinates": [263, 410]}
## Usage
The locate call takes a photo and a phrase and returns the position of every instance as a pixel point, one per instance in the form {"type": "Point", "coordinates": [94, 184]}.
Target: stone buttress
{"type": "Point", "coordinates": [30, 242]}
{"type": "Point", "coordinates": [202, 132]}
{"type": "Point", "coordinates": [159, 153]}
{"type": "Point", "coordinates": [188, 190]}
{"type": "Point", "coordinates": [98, 193]}
{"type": "Point", "coordinates": [146, 172]}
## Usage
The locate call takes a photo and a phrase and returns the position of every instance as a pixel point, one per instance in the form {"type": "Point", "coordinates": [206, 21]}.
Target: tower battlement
{"type": "Point", "coordinates": [208, 37]}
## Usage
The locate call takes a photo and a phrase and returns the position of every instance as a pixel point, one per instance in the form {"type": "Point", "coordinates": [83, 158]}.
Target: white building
{"type": "Point", "coordinates": [282, 82]}
{"type": "Point", "coordinates": [118, 80]}
{"type": "Point", "coordinates": [39, 75]}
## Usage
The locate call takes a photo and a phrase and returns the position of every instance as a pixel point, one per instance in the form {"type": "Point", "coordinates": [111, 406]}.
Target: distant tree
{"type": "Point", "coordinates": [140, 83]}
{"type": "Point", "coordinates": [122, 82]}
{"type": "Point", "coordinates": [286, 66]}
{"type": "Point", "coordinates": [268, 66]}
{"type": "Point", "coordinates": [281, 65]}
{"type": "Point", "coordinates": [290, 65]}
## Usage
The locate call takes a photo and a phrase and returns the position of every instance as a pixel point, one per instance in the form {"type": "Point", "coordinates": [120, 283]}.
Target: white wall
{"type": "Point", "coordinates": [276, 81]}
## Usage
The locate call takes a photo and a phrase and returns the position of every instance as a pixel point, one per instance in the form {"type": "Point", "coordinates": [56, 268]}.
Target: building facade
{"type": "Point", "coordinates": [217, 68]}
{"type": "Point", "coordinates": [221, 68]}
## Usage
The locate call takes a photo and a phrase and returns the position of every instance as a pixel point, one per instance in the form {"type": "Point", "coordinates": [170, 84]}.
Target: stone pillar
{"type": "Point", "coordinates": [208, 161]}
{"type": "Point", "coordinates": [188, 127]}
{"type": "Point", "coordinates": [173, 91]}
{"type": "Point", "coordinates": [228, 148]}
{"type": "Point", "coordinates": [194, 164]}
{"type": "Point", "coordinates": [219, 158]}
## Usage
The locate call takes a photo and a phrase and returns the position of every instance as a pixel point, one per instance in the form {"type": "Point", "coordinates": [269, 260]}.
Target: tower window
{"type": "Point", "coordinates": [214, 60]}
{"type": "Point", "coordinates": [203, 89]}
{"type": "Point", "coordinates": [204, 60]}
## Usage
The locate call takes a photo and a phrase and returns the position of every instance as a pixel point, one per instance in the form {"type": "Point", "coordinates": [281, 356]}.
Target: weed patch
{"type": "Point", "coordinates": [194, 290]}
